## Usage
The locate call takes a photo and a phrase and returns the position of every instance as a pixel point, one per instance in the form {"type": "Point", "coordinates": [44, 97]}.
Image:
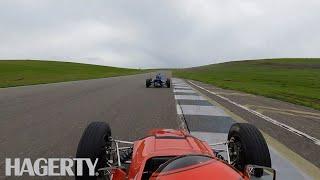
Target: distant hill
{"type": "Point", "coordinates": [295, 80]}
{"type": "Point", "coordinates": [27, 72]}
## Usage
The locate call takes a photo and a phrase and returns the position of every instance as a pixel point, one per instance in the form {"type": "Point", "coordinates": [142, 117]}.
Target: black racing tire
{"type": "Point", "coordinates": [248, 146]}
{"type": "Point", "coordinates": [148, 83]}
{"type": "Point", "coordinates": [168, 83]}
{"type": "Point", "coordinates": [92, 145]}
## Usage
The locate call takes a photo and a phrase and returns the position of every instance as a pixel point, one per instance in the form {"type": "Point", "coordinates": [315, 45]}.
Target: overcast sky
{"type": "Point", "coordinates": [158, 33]}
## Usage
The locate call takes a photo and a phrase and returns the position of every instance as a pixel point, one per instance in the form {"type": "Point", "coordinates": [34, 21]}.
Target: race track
{"type": "Point", "coordinates": [47, 120]}
{"type": "Point", "coordinates": [208, 120]}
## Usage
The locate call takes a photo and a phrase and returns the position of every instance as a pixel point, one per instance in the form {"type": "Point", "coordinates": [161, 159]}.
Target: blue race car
{"type": "Point", "coordinates": [159, 81]}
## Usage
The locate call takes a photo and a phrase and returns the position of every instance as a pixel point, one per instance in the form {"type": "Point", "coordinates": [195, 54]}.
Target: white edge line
{"type": "Point", "coordinates": [179, 112]}
{"type": "Point", "coordinates": [273, 121]}
{"type": "Point", "coordinates": [183, 123]}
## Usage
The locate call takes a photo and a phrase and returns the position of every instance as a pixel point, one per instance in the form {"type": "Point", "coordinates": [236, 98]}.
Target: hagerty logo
{"type": "Point", "coordinates": [49, 166]}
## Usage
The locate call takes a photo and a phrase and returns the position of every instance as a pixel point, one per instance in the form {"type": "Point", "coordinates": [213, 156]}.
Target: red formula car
{"type": "Point", "coordinates": [167, 154]}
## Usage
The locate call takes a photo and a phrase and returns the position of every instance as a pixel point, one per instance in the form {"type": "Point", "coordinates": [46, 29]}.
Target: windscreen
{"type": "Point", "coordinates": [182, 162]}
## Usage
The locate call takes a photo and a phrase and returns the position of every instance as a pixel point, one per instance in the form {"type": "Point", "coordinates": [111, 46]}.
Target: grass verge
{"type": "Point", "coordinates": [292, 80]}
{"type": "Point", "coordinates": [29, 72]}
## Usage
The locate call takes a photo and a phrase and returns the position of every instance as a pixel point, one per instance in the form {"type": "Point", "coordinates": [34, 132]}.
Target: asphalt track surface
{"type": "Point", "coordinates": [48, 120]}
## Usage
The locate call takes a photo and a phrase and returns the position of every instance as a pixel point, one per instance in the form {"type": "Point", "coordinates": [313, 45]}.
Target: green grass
{"type": "Point", "coordinates": [292, 80]}
{"type": "Point", "coordinates": [28, 72]}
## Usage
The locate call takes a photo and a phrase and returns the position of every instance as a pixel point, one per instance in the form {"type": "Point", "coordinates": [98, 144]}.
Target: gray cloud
{"type": "Point", "coordinates": [145, 33]}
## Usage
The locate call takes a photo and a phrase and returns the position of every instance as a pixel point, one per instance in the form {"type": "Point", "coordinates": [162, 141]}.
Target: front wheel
{"type": "Point", "coordinates": [248, 146]}
{"type": "Point", "coordinates": [148, 83]}
{"type": "Point", "coordinates": [92, 144]}
{"type": "Point", "coordinates": [168, 83]}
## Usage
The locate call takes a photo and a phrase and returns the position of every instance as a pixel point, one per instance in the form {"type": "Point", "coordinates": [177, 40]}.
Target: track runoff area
{"type": "Point", "coordinates": [208, 121]}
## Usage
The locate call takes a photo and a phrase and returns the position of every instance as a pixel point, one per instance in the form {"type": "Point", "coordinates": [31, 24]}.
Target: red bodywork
{"type": "Point", "coordinates": [168, 142]}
